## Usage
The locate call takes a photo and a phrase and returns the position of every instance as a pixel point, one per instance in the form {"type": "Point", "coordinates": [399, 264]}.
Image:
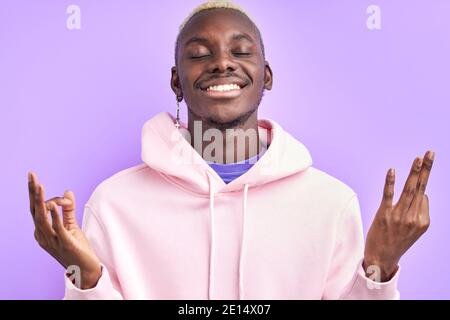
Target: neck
{"type": "Point", "coordinates": [225, 142]}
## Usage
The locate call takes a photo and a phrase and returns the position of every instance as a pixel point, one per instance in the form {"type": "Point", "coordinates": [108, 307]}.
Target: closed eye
{"type": "Point", "coordinates": [200, 57]}
{"type": "Point", "coordinates": [242, 54]}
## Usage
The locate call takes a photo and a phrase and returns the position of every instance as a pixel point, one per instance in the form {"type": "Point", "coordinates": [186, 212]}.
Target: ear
{"type": "Point", "coordinates": [268, 76]}
{"type": "Point", "coordinates": [175, 83]}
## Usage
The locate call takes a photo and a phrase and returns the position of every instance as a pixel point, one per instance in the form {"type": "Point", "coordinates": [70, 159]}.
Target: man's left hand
{"type": "Point", "coordinates": [397, 227]}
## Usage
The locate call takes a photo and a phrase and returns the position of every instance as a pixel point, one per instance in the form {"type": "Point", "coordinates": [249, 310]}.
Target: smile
{"type": "Point", "coordinates": [223, 91]}
{"type": "Point", "coordinates": [224, 87]}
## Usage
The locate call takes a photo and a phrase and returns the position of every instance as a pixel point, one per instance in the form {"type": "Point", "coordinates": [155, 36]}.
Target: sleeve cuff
{"type": "Point", "coordinates": [101, 291]}
{"type": "Point", "coordinates": [366, 288]}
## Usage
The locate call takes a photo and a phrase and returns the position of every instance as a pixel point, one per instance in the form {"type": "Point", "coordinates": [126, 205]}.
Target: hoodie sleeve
{"type": "Point", "coordinates": [346, 277]}
{"type": "Point", "coordinates": [107, 287]}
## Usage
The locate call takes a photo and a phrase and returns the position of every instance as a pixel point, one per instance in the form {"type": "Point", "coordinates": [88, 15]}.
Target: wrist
{"type": "Point", "coordinates": [90, 279]}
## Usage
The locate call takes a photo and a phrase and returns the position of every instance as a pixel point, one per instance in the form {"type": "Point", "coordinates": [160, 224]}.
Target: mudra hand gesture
{"type": "Point", "coordinates": [397, 227]}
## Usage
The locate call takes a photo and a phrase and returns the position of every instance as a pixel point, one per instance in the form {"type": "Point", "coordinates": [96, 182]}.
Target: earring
{"type": "Point", "coordinates": [177, 120]}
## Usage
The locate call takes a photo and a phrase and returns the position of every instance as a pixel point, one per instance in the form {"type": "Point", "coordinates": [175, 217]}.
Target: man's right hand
{"type": "Point", "coordinates": [63, 239]}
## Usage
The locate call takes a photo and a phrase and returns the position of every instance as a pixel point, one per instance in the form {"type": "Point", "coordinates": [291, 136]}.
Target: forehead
{"type": "Point", "coordinates": [216, 23]}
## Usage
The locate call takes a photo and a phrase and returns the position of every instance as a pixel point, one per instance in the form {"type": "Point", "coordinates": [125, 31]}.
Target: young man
{"type": "Point", "coordinates": [248, 218]}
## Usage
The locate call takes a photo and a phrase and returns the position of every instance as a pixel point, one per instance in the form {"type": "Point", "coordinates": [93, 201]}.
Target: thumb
{"type": "Point", "coordinates": [69, 213]}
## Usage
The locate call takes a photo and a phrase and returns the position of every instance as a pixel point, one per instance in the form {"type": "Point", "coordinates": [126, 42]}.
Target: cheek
{"type": "Point", "coordinates": [258, 83]}
{"type": "Point", "coordinates": [186, 83]}
{"type": "Point", "coordinates": [256, 71]}
{"type": "Point", "coordinates": [260, 77]}
{"type": "Point", "coordinates": [187, 78]}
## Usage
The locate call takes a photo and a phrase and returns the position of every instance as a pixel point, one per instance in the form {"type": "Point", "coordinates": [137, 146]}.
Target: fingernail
{"type": "Point", "coordinates": [391, 172]}
{"type": "Point", "coordinates": [419, 162]}
{"type": "Point", "coordinates": [432, 155]}
{"type": "Point", "coordinates": [66, 202]}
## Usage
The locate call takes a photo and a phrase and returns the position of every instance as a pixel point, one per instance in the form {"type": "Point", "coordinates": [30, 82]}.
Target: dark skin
{"type": "Point", "coordinates": [396, 227]}
{"type": "Point", "coordinates": [221, 46]}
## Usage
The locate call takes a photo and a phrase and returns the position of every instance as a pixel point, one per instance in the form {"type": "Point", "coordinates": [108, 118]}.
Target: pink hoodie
{"type": "Point", "coordinates": [172, 229]}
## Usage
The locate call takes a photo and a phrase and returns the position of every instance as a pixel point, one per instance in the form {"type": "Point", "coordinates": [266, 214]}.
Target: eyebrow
{"type": "Point", "coordinates": [242, 36]}
{"type": "Point", "coordinates": [235, 37]}
{"type": "Point", "coordinates": [196, 40]}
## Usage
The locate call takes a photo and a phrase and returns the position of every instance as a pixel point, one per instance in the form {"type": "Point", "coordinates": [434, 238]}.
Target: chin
{"type": "Point", "coordinates": [228, 118]}
{"type": "Point", "coordinates": [222, 112]}
{"type": "Point", "coordinates": [223, 121]}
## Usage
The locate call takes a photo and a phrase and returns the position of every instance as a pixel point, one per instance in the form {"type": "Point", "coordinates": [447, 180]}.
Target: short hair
{"type": "Point", "coordinates": [216, 4]}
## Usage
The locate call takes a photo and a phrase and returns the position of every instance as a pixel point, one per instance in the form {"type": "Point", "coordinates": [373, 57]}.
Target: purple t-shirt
{"type": "Point", "coordinates": [229, 172]}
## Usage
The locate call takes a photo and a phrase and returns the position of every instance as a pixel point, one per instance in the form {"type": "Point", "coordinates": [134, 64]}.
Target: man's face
{"type": "Point", "coordinates": [221, 47]}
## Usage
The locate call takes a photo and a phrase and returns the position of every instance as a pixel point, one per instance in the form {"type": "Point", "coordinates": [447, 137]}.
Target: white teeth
{"type": "Point", "coordinates": [224, 87]}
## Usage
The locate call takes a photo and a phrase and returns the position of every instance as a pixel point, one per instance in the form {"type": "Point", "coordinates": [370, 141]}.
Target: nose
{"type": "Point", "coordinates": [221, 63]}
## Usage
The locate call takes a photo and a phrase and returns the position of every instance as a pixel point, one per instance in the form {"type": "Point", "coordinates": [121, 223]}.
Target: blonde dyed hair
{"type": "Point", "coordinates": [216, 4]}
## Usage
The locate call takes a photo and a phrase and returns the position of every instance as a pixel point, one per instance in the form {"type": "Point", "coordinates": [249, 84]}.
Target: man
{"type": "Point", "coordinates": [248, 218]}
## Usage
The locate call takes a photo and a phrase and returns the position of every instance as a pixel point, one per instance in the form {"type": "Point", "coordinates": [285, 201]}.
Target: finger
{"type": "Point", "coordinates": [69, 213]}
{"type": "Point", "coordinates": [60, 201]}
{"type": "Point", "coordinates": [424, 212]}
{"type": "Point", "coordinates": [31, 191]}
{"type": "Point", "coordinates": [425, 172]}
{"type": "Point", "coordinates": [409, 189]}
{"type": "Point", "coordinates": [416, 205]}
{"type": "Point", "coordinates": [56, 220]}
{"type": "Point", "coordinates": [388, 192]}
{"type": "Point", "coordinates": [41, 218]}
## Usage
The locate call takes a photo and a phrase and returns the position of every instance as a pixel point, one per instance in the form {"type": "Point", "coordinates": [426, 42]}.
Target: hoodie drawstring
{"type": "Point", "coordinates": [211, 250]}
{"type": "Point", "coordinates": [241, 264]}
{"type": "Point", "coordinates": [212, 246]}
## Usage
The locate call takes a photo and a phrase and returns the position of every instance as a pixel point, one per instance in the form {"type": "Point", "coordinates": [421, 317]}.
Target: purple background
{"type": "Point", "coordinates": [73, 102]}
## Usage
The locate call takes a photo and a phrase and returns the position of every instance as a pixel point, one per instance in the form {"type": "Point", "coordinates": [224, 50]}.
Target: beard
{"type": "Point", "coordinates": [237, 122]}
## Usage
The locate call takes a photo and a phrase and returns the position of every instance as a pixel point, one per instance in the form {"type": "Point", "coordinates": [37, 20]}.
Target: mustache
{"type": "Point", "coordinates": [226, 75]}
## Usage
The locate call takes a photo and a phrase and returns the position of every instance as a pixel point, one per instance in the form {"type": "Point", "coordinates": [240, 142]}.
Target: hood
{"type": "Point", "coordinates": [166, 150]}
